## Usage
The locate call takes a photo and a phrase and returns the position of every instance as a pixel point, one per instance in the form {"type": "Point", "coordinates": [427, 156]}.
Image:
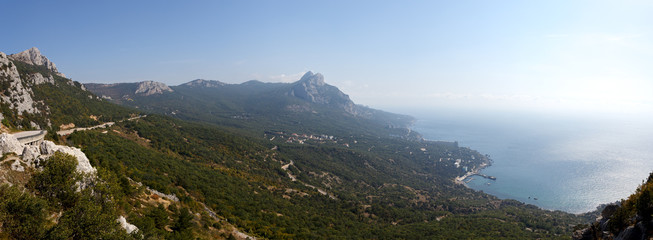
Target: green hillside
{"type": "Point", "coordinates": [234, 160]}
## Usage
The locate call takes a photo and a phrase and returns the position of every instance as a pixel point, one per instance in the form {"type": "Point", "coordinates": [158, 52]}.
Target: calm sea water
{"type": "Point", "coordinates": [568, 163]}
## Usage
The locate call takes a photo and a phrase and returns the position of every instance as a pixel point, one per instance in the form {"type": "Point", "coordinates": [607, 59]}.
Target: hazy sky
{"type": "Point", "coordinates": [388, 54]}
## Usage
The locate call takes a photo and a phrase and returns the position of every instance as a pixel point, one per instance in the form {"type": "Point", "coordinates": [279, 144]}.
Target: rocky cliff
{"type": "Point", "coordinates": [34, 95]}
{"type": "Point", "coordinates": [312, 88]}
{"type": "Point", "coordinates": [34, 155]}
{"type": "Point", "coordinates": [33, 56]}
{"type": "Point", "coordinates": [148, 88]}
{"type": "Point", "coordinates": [14, 93]}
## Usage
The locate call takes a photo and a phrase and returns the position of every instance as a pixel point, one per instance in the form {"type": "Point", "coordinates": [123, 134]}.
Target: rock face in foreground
{"type": "Point", "coordinates": [48, 148]}
{"type": "Point", "coordinates": [33, 56]}
{"type": "Point", "coordinates": [9, 144]}
{"type": "Point", "coordinates": [34, 154]}
{"type": "Point", "coordinates": [129, 228]}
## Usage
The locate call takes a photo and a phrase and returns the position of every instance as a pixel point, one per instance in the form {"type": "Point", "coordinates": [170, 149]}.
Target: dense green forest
{"type": "Point", "coordinates": [367, 196]}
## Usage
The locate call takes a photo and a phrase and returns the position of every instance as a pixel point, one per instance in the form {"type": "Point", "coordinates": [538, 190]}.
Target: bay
{"type": "Point", "coordinates": [571, 163]}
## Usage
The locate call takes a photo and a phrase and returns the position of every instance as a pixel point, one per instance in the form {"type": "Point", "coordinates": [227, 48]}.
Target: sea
{"type": "Point", "coordinates": [572, 162]}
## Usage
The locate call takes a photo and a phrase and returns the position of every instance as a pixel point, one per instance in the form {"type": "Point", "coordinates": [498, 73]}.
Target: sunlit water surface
{"type": "Point", "coordinates": [568, 163]}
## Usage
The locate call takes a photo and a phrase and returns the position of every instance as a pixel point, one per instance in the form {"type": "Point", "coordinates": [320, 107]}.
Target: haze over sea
{"type": "Point", "coordinates": [569, 163]}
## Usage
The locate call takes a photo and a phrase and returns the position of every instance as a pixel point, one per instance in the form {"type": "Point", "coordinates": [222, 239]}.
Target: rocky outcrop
{"type": "Point", "coordinates": [204, 83]}
{"type": "Point", "coordinates": [619, 222]}
{"type": "Point", "coordinates": [129, 228]}
{"type": "Point", "coordinates": [148, 88]}
{"type": "Point", "coordinates": [48, 148]}
{"type": "Point", "coordinates": [10, 144]}
{"type": "Point", "coordinates": [312, 88]}
{"type": "Point", "coordinates": [37, 79]}
{"type": "Point", "coordinates": [13, 91]}
{"type": "Point", "coordinates": [33, 56]}
{"type": "Point", "coordinates": [32, 154]}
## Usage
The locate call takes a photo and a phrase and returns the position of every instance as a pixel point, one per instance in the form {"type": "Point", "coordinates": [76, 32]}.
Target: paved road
{"type": "Point", "coordinates": [25, 137]}
{"type": "Point", "coordinates": [104, 125]}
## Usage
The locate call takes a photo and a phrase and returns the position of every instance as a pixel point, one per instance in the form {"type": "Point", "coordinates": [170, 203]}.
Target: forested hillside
{"type": "Point", "coordinates": [222, 169]}
{"type": "Point", "coordinates": [308, 106]}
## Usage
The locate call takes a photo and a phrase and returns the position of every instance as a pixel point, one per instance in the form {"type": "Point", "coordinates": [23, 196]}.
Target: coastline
{"type": "Point", "coordinates": [475, 171]}
{"type": "Point", "coordinates": [460, 179]}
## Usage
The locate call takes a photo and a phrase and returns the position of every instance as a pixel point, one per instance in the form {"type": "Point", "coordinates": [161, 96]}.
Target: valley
{"type": "Point", "coordinates": [302, 162]}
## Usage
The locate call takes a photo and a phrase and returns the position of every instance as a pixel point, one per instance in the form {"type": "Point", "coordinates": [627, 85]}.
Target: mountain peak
{"type": "Point", "coordinates": [147, 88]}
{"type": "Point", "coordinates": [33, 56]}
{"type": "Point", "coordinates": [312, 88]}
{"type": "Point", "coordinates": [204, 83]}
{"type": "Point", "coordinates": [313, 79]}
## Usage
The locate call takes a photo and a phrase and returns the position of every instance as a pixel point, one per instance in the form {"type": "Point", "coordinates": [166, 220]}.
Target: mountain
{"type": "Point", "coordinates": [258, 107]}
{"type": "Point", "coordinates": [311, 88]}
{"type": "Point", "coordinates": [33, 56]}
{"type": "Point", "coordinates": [220, 161]}
{"type": "Point", "coordinates": [127, 91]}
{"type": "Point", "coordinates": [201, 83]}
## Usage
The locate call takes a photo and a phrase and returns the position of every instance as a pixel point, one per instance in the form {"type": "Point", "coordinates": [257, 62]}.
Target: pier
{"type": "Point", "coordinates": [486, 176]}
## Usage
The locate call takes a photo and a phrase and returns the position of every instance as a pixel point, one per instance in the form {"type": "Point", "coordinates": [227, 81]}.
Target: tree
{"type": "Point", "coordinates": [183, 221]}
{"type": "Point", "coordinates": [58, 181]}
{"type": "Point", "coordinates": [88, 220]}
{"type": "Point", "coordinates": [21, 214]}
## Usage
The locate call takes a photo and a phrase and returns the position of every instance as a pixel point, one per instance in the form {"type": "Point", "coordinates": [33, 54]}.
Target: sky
{"type": "Point", "coordinates": [569, 55]}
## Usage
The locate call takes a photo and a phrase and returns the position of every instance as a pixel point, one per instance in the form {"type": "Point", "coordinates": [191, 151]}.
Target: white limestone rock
{"type": "Point", "coordinates": [16, 166]}
{"type": "Point", "coordinates": [31, 154]}
{"type": "Point", "coordinates": [47, 147]}
{"type": "Point", "coordinates": [129, 228]}
{"type": "Point", "coordinates": [33, 56]}
{"type": "Point", "coordinates": [148, 88]}
{"type": "Point", "coordinates": [172, 197]}
{"type": "Point", "coordinates": [312, 88]}
{"type": "Point", "coordinates": [16, 94]}
{"type": "Point", "coordinates": [83, 164]}
{"type": "Point", "coordinates": [37, 79]}
{"type": "Point", "coordinates": [10, 144]}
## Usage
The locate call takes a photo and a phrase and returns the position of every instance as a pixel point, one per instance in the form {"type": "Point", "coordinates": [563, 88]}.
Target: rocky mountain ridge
{"type": "Point", "coordinates": [204, 83]}
{"type": "Point", "coordinates": [33, 56]}
{"type": "Point", "coordinates": [311, 89]}
{"type": "Point", "coordinates": [147, 88]}
{"type": "Point", "coordinates": [34, 95]}
{"type": "Point", "coordinates": [127, 91]}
